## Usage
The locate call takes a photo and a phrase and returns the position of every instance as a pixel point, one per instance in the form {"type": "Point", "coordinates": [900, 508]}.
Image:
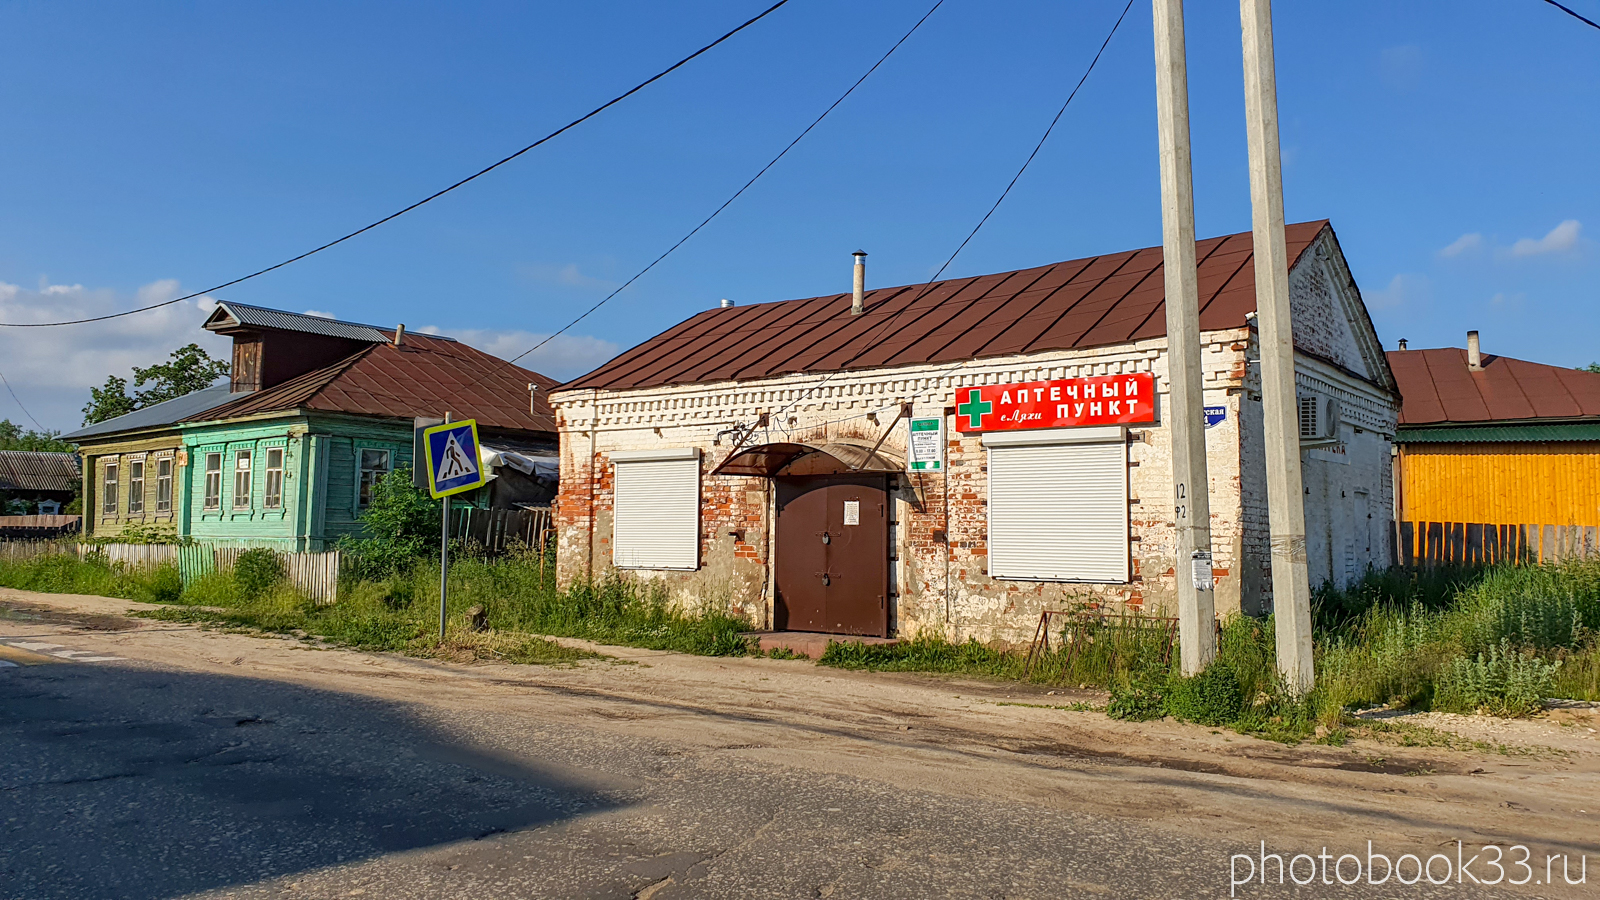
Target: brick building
{"type": "Point", "coordinates": [754, 458]}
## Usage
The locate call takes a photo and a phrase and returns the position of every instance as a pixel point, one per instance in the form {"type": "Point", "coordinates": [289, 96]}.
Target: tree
{"type": "Point", "coordinates": [1592, 367]}
{"type": "Point", "coordinates": [188, 370]}
{"type": "Point", "coordinates": [108, 401]}
{"type": "Point", "coordinates": [13, 437]}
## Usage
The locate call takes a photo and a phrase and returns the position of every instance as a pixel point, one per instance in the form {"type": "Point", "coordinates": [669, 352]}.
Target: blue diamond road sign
{"type": "Point", "coordinates": [453, 464]}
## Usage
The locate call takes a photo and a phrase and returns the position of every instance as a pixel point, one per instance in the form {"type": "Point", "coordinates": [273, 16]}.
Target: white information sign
{"type": "Point", "coordinates": [925, 445]}
{"type": "Point", "coordinates": [852, 512]}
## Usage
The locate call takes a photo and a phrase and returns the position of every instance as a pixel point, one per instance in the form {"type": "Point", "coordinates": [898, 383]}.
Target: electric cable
{"type": "Point", "coordinates": [434, 196]}
{"type": "Point", "coordinates": [695, 230]}
{"type": "Point", "coordinates": [1590, 22]}
{"type": "Point", "coordinates": [928, 285]}
{"type": "Point", "coordinates": [19, 404]}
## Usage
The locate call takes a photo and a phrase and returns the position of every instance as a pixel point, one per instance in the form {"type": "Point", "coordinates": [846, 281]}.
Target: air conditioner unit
{"type": "Point", "coordinates": [1319, 420]}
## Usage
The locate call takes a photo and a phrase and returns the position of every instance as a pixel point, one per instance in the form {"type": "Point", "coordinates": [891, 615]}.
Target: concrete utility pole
{"type": "Point", "coordinates": [1291, 588]}
{"type": "Point", "coordinates": [1185, 413]}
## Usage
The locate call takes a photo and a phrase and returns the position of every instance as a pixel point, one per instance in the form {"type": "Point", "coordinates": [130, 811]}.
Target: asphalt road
{"type": "Point", "coordinates": [134, 779]}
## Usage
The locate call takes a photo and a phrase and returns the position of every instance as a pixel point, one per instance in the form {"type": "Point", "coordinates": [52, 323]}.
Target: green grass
{"type": "Point", "coordinates": [401, 613]}
{"type": "Point", "coordinates": [65, 573]}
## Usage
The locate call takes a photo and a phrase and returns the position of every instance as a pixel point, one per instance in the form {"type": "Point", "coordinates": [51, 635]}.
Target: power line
{"type": "Point", "coordinates": [695, 230]}
{"type": "Point", "coordinates": [1590, 22]}
{"type": "Point", "coordinates": [19, 403]}
{"type": "Point", "coordinates": [434, 196]}
{"type": "Point", "coordinates": [872, 342]}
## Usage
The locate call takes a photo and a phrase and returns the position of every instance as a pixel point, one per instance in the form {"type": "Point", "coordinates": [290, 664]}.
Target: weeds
{"type": "Point", "coordinates": [400, 613]}
{"type": "Point", "coordinates": [66, 573]}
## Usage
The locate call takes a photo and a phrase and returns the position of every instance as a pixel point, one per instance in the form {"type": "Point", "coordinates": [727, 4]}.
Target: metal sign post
{"type": "Point", "coordinates": [444, 551]}
{"type": "Point", "coordinates": [451, 452]}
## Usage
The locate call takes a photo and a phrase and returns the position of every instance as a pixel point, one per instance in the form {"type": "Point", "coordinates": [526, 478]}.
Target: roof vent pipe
{"type": "Point", "coordinates": [1474, 356]}
{"type": "Point", "coordinates": [400, 334]}
{"type": "Point", "coordinates": [859, 297]}
{"type": "Point", "coordinates": [533, 399]}
{"type": "Point", "coordinates": [726, 303]}
{"type": "Point", "coordinates": [1402, 343]}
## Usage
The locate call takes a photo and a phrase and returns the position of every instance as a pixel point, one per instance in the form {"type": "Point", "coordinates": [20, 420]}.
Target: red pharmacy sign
{"type": "Point", "coordinates": [1063, 403]}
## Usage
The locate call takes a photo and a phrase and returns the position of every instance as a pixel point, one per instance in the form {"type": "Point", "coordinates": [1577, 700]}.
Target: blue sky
{"type": "Point", "coordinates": [157, 148]}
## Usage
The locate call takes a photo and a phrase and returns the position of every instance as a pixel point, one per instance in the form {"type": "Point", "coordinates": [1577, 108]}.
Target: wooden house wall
{"type": "Point", "coordinates": [1554, 483]}
{"type": "Point", "coordinates": [95, 456]}
{"type": "Point", "coordinates": [321, 478]}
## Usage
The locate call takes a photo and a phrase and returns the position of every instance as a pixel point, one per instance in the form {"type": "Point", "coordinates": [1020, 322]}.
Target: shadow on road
{"type": "Point", "coordinates": [139, 784]}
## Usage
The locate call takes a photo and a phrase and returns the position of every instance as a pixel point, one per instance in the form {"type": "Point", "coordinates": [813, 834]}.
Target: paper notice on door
{"type": "Point", "coordinates": [852, 512]}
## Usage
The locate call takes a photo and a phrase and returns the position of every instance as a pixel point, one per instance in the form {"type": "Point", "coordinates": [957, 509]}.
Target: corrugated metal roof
{"type": "Point", "coordinates": [230, 314]}
{"type": "Point", "coordinates": [1438, 387]}
{"type": "Point", "coordinates": [1110, 299]}
{"type": "Point", "coordinates": [1478, 434]}
{"type": "Point", "coordinates": [427, 376]}
{"type": "Point", "coordinates": [32, 470]}
{"type": "Point", "coordinates": [157, 415]}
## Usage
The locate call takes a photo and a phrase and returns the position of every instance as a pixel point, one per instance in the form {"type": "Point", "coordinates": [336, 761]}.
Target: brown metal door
{"type": "Point", "coordinates": [833, 555]}
{"type": "Point", "coordinates": [801, 555]}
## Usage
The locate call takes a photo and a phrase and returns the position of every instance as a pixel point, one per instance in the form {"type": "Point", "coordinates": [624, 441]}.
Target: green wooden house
{"type": "Point", "coordinates": [324, 408]}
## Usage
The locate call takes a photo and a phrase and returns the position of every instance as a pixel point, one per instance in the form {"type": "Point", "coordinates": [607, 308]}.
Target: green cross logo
{"type": "Point", "coordinates": [975, 409]}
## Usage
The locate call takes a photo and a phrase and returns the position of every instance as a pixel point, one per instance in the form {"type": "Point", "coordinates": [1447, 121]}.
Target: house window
{"type": "Point", "coordinates": [1058, 505]}
{"type": "Point", "coordinates": [108, 492]}
{"type": "Point", "coordinates": [164, 484]}
{"type": "Point", "coordinates": [213, 481]}
{"type": "Point", "coordinates": [656, 509]}
{"type": "Point", "coordinates": [241, 478]}
{"type": "Point", "coordinates": [374, 465]}
{"type": "Point", "coordinates": [274, 494]}
{"type": "Point", "coordinates": [135, 486]}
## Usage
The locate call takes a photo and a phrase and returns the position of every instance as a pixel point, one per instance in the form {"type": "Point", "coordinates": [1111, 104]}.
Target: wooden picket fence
{"type": "Point", "coordinates": [1435, 544]}
{"type": "Point", "coordinates": [317, 574]}
{"type": "Point", "coordinates": [495, 529]}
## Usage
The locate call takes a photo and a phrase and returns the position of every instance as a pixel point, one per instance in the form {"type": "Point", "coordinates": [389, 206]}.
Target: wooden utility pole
{"type": "Point", "coordinates": [1291, 588]}
{"type": "Point", "coordinates": [1185, 412]}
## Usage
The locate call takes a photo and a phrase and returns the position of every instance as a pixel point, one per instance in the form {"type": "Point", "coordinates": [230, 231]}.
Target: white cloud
{"type": "Point", "coordinates": [1404, 289]}
{"type": "Point", "coordinates": [563, 359]}
{"type": "Point", "coordinates": [1463, 244]}
{"type": "Point", "coordinates": [568, 275]}
{"type": "Point", "coordinates": [52, 369]}
{"type": "Point", "coordinates": [1560, 238]}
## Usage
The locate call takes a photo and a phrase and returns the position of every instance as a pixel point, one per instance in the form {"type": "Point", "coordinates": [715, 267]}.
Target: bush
{"type": "Point", "coordinates": [258, 570]}
{"type": "Point", "coordinates": [1212, 697]}
{"type": "Point", "coordinates": [1501, 681]}
{"type": "Point", "coordinates": [402, 526]}
{"type": "Point", "coordinates": [66, 573]}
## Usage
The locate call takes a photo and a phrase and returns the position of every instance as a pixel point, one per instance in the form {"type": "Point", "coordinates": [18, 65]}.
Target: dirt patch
{"type": "Point", "coordinates": [17, 611]}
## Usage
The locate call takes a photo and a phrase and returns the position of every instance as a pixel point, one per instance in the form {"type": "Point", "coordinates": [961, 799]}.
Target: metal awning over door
{"type": "Point", "coordinates": [793, 458]}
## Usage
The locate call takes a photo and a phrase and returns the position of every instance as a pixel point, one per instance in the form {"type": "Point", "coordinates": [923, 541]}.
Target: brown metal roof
{"type": "Point", "coordinates": [35, 470]}
{"type": "Point", "coordinates": [1110, 299]}
{"type": "Point", "coordinates": [1438, 388]}
{"type": "Point", "coordinates": [426, 376]}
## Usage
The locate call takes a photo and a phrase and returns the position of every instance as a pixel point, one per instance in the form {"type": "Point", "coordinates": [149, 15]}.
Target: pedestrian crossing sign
{"type": "Point", "coordinates": [452, 452]}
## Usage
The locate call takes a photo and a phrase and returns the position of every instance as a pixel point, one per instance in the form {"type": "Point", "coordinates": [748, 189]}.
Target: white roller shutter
{"type": "Point", "coordinates": [1058, 505]}
{"type": "Point", "coordinates": [656, 510]}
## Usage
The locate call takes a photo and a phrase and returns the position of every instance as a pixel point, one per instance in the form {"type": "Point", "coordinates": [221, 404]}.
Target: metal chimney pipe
{"type": "Point", "coordinates": [858, 299]}
{"type": "Point", "coordinates": [1474, 355]}
{"type": "Point", "coordinates": [1402, 343]}
{"type": "Point", "coordinates": [533, 396]}
{"type": "Point", "coordinates": [400, 334]}
{"type": "Point", "coordinates": [726, 303]}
